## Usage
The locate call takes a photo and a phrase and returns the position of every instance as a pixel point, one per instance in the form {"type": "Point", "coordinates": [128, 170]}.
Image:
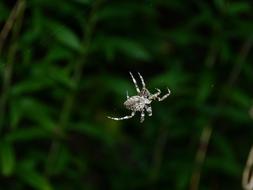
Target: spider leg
{"type": "Point", "coordinates": [165, 96]}
{"type": "Point", "coordinates": [142, 116]}
{"type": "Point", "coordinates": [149, 110]}
{"type": "Point", "coordinates": [154, 96]}
{"type": "Point", "coordinates": [142, 81]}
{"type": "Point", "coordinates": [127, 95]}
{"type": "Point", "coordinates": [135, 83]}
{"type": "Point", "coordinates": [122, 118]}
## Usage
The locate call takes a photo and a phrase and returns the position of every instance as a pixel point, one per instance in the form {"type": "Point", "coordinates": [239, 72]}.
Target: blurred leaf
{"type": "Point", "coordinates": [205, 87]}
{"type": "Point", "coordinates": [34, 179]}
{"type": "Point", "coordinates": [59, 165]}
{"type": "Point", "coordinates": [240, 98]}
{"type": "Point", "coordinates": [34, 110]}
{"type": "Point", "coordinates": [61, 76]}
{"type": "Point", "coordinates": [220, 4]}
{"type": "Point", "coordinates": [183, 178]}
{"type": "Point", "coordinates": [30, 85]}
{"type": "Point", "coordinates": [132, 49]}
{"type": "Point", "coordinates": [228, 167]}
{"type": "Point", "coordinates": [114, 45]}
{"type": "Point", "coordinates": [85, 2]}
{"type": "Point", "coordinates": [58, 53]}
{"type": "Point", "coordinates": [123, 10]}
{"type": "Point", "coordinates": [28, 134]}
{"type": "Point", "coordinates": [92, 130]}
{"type": "Point", "coordinates": [43, 78]}
{"type": "Point", "coordinates": [122, 85]}
{"type": "Point", "coordinates": [65, 35]}
{"type": "Point", "coordinates": [3, 12]}
{"type": "Point", "coordinates": [224, 147]}
{"type": "Point", "coordinates": [183, 36]}
{"type": "Point", "coordinates": [171, 79]}
{"type": "Point", "coordinates": [113, 11]}
{"type": "Point", "coordinates": [238, 7]}
{"type": "Point", "coordinates": [242, 29]}
{"type": "Point", "coordinates": [225, 52]}
{"type": "Point", "coordinates": [35, 31]}
{"type": "Point", "coordinates": [7, 158]}
{"type": "Point", "coordinates": [236, 114]}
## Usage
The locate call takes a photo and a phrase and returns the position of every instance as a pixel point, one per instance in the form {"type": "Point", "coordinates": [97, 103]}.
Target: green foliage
{"type": "Point", "coordinates": [65, 36]}
{"type": "Point", "coordinates": [7, 158]}
{"type": "Point", "coordinates": [64, 67]}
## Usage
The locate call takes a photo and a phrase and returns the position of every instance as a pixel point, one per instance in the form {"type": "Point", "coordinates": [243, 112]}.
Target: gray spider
{"type": "Point", "coordinates": [141, 102]}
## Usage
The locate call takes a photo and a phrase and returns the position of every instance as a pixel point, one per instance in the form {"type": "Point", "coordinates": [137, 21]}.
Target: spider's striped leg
{"type": "Point", "coordinates": [154, 96]}
{"type": "Point", "coordinates": [142, 116]}
{"type": "Point", "coordinates": [149, 110]}
{"type": "Point", "coordinates": [122, 118]}
{"type": "Point", "coordinates": [165, 96]}
{"type": "Point", "coordinates": [135, 83]}
{"type": "Point", "coordinates": [127, 94]}
{"type": "Point", "coordinates": [142, 81]}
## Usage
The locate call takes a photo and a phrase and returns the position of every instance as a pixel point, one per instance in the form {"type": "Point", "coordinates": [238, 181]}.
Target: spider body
{"type": "Point", "coordinates": [141, 102]}
{"type": "Point", "coordinates": [136, 103]}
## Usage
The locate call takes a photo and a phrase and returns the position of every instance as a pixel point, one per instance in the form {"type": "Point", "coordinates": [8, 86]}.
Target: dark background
{"type": "Point", "coordinates": [65, 66]}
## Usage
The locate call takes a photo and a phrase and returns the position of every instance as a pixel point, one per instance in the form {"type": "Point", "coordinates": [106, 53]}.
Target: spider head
{"type": "Point", "coordinates": [144, 93]}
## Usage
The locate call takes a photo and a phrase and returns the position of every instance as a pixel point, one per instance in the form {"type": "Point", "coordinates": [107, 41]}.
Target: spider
{"type": "Point", "coordinates": [140, 102]}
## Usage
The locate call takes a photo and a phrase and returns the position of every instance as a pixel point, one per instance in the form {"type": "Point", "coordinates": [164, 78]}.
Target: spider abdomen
{"type": "Point", "coordinates": [135, 103]}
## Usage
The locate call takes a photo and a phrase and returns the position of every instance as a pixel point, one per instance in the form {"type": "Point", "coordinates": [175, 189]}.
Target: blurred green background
{"type": "Point", "coordinates": [65, 66]}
